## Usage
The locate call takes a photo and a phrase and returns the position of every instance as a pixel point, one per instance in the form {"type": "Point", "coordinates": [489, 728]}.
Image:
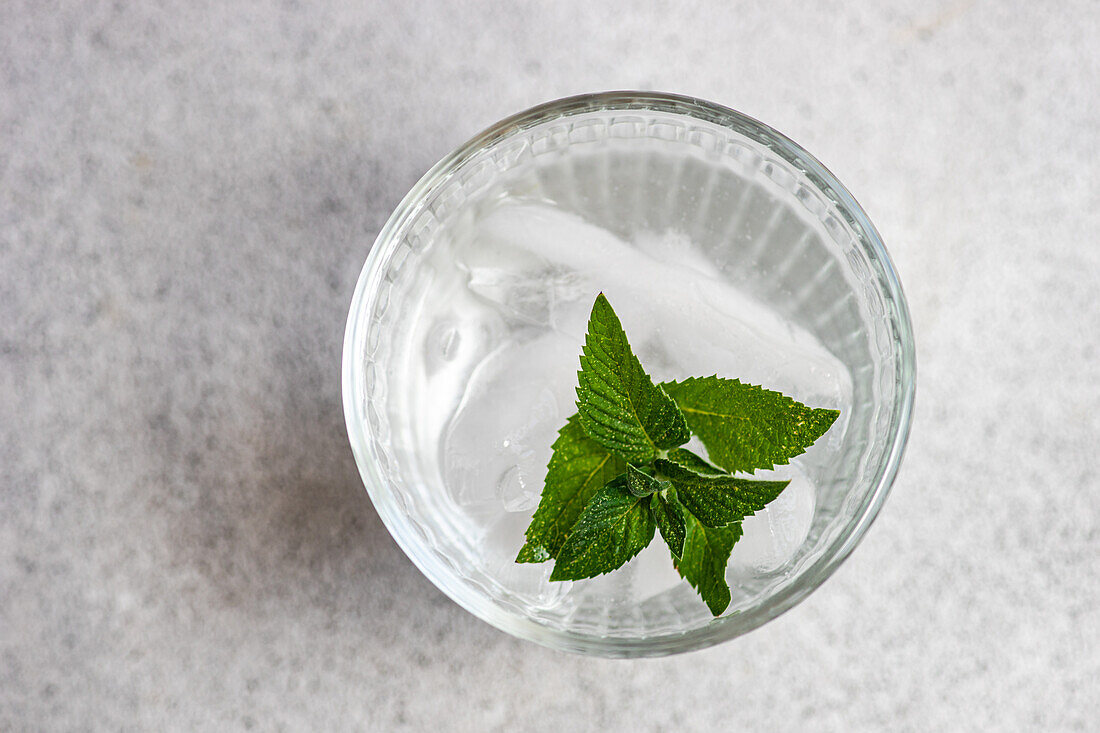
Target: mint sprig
{"type": "Point", "coordinates": [619, 472]}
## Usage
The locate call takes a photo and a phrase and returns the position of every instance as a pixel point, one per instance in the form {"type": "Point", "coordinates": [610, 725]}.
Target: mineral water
{"type": "Point", "coordinates": [491, 364]}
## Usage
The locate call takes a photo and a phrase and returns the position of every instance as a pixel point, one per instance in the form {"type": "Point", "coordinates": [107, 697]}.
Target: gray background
{"type": "Point", "coordinates": [186, 199]}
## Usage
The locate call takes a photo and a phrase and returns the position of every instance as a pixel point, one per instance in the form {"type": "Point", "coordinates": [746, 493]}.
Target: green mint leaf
{"type": "Point", "coordinates": [614, 527]}
{"type": "Point", "coordinates": [695, 463]}
{"type": "Point", "coordinates": [640, 483]}
{"type": "Point", "coordinates": [745, 427]}
{"type": "Point", "coordinates": [670, 520]}
{"type": "Point", "coordinates": [718, 500]}
{"type": "Point", "coordinates": [578, 468]}
{"type": "Point", "coordinates": [703, 563]}
{"type": "Point", "coordinates": [619, 405]}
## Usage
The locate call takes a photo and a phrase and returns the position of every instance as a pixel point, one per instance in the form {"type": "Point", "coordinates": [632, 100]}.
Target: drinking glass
{"type": "Point", "coordinates": [684, 180]}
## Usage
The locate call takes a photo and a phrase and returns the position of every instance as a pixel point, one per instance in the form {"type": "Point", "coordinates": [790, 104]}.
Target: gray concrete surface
{"type": "Point", "coordinates": [186, 197]}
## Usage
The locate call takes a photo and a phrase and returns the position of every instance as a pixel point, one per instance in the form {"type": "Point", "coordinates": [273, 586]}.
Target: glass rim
{"type": "Point", "coordinates": [725, 627]}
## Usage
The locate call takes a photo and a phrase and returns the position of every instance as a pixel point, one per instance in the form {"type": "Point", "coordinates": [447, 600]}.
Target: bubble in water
{"type": "Point", "coordinates": [449, 341]}
{"type": "Point", "coordinates": [517, 493]}
{"type": "Point", "coordinates": [443, 342]}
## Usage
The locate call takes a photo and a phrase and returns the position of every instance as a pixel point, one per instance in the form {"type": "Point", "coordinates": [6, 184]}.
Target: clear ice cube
{"type": "Point", "coordinates": [498, 445]}
{"type": "Point", "coordinates": [774, 534]}
{"type": "Point", "coordinates": [654, 572]}
{"type": "Point", "coordinates": [530, 582]}
{"type": "Point", "coordinates": [544, 266]}
{"type": "Point", "coordinates": [536, 298]}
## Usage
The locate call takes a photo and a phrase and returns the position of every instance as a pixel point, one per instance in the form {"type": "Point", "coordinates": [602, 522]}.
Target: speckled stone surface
{"type": "Point", "coordinates": [186, 199]}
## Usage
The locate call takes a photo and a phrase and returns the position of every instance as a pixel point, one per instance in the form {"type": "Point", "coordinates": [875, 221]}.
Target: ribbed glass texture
{"type": "Point", "coordinates": [780, 227]}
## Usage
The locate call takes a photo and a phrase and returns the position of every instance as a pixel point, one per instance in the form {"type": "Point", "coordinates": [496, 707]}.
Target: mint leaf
{"type": "Point", "coordinates": [614, 527]}
{"type": "Point", "coordinates": [703, 564]}
{"type": "Point", "coordinates": [718, 500]}
{"type": "Point", "coordinates": [745, 427]}
{"type": "Point", "coordinates": [578, 468]}
{"type": "Point", "coordinates": [670, 520]}
{"type": "Point", "coordinates": [640, 483]}
{"type": "Point", "coordinates": [695, 463]}
{"type": "Point", "coordinates": [619, 405]}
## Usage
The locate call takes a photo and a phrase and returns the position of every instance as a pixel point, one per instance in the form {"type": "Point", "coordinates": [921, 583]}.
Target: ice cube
{"type": "Point", "coordinates": [674, 246]}
{"type": "Point", "coordinates": [653, 570]}
{"type": "Point", "coordinates": [774, 534]}
{"type": "Point", "coordinates": [536, 297]}
{"type": "Point", "coordinates": [529, 582]}
{"type": "Point", "coordinates": [671, 300]}
{"type": "Point", "coordinates": [448, 347]}
{"type": "Point", "coordinates": [646, 576]}
{"type": "Point", "coordinates": [505, 256]}
{"type": "Point", "coordinates": [497, 446]}
{"type": "Point", "coordinates": [603, 591]}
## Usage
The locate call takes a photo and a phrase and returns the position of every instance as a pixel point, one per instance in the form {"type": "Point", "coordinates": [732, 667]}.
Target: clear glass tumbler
{"type": "Point", "coordinates": [766, 217]}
